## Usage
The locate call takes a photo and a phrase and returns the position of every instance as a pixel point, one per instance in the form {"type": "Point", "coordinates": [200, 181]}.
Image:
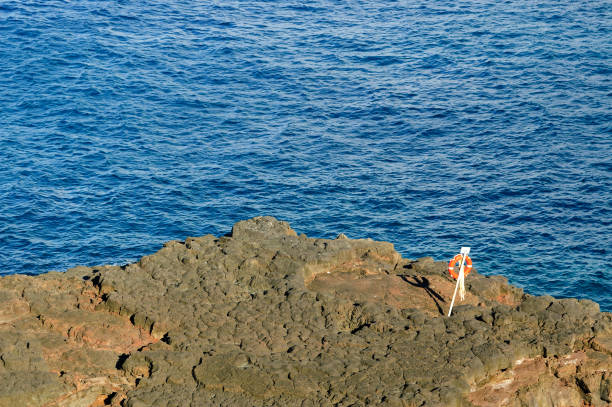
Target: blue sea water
{"type": "Point", "coordinates": [430, 124]}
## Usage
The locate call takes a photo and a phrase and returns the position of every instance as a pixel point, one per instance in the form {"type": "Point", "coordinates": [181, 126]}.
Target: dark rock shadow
{"type": "Point", "coordinates": [121, 360]}
{"type": "Point", "coordinates": [424, 284]}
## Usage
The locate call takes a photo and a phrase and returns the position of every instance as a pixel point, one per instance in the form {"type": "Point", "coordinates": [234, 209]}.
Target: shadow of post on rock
{"type": "Point", "coordinates": [423, 282]}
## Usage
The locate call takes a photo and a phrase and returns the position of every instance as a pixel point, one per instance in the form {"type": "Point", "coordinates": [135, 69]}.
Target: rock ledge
{"type": "Point", "coordinates": [265, 317]}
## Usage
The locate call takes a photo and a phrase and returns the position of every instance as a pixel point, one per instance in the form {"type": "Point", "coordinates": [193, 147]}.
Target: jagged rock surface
{"type": "Point", "coordinates": [265, 317]}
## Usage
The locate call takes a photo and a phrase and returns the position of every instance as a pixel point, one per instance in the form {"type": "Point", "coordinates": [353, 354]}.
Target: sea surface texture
{"type": "Point", "coordinates": [429, 124]}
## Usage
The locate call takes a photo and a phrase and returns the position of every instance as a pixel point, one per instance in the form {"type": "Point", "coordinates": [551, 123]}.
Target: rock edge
{"type": "Point", "coordinates": [266, 317]}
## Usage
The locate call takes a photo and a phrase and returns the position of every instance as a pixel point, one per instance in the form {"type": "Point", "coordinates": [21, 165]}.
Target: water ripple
{"type": "Point", "coordinates": [430, 125]}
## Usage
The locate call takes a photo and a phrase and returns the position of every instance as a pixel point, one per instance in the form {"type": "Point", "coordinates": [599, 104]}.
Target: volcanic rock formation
{"type": "Point", "coordinates": [264, 317]}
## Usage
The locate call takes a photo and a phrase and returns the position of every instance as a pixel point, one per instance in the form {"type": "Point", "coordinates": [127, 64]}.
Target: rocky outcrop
{"type": "Point", "coordinates": [264, 317]}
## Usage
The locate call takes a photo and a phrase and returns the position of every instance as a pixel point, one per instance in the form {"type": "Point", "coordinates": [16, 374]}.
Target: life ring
{"type": "Point", "coordinates": [457, 259]}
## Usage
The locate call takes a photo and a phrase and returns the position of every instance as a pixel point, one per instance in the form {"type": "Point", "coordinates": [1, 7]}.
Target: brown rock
{"type": "Point", "coordinates": [266, 317]}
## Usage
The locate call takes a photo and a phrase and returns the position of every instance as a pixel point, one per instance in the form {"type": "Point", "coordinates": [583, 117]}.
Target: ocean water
{"type": "Point", "coordinates": [429, 124]}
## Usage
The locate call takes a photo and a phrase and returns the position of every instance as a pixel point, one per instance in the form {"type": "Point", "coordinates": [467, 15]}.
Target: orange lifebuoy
{"type": "Point", "coordinates": [457, 259]}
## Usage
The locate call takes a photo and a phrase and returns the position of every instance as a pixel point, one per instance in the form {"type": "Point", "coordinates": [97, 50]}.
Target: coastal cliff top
{"type": "Point", "coordinates": [263, 316]}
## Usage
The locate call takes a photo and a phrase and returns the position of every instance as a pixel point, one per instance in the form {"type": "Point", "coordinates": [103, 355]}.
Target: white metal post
{"type": "Point", "coordinates": [464, 252]}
